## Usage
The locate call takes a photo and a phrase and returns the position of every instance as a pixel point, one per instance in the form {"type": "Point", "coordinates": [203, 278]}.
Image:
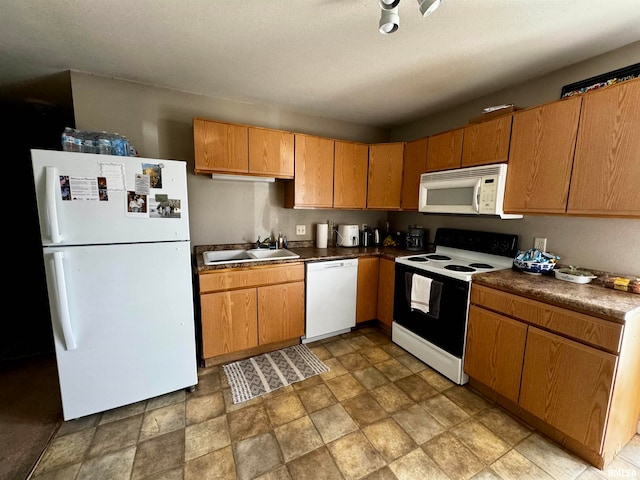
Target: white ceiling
{"type": "Point", "coordinates": [321, 57]}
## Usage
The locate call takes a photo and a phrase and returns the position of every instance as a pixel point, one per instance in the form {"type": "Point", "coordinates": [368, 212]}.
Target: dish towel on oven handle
{"type": "Point", "coordinates": [423, 294]}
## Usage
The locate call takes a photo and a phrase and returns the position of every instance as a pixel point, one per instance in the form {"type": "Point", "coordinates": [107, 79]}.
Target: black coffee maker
{"type": "Point", "coordinates": [416, 239]}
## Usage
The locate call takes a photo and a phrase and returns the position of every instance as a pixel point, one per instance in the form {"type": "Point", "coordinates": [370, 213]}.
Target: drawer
{"type": "Point", "coordinates": [234, 278]}
{"type": "Point", "coordinates": [591, 330]}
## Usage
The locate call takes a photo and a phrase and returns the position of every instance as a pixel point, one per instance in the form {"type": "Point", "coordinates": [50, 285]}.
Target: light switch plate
{"type": "Point", "coordinates": [301, 229]}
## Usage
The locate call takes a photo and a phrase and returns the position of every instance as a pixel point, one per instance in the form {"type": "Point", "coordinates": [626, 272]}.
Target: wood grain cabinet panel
{"type": "Point", "coordinates": [606, 167]}
{"type": "Point", "coordinates": [541, 158]}
{"type": "Point", "coordinates": [386, 282]}
{"type": "Point", "coordinates": [444, 150]}
{"type": "Point", "coordinates": [280, 312]}
{"type": "Point", "coordinates": [271, 152]}
{"type": "Point", "coordinates": [486, 142]}
{"type": "Point", "coordinates": [313, 183]}
{"type": "Point", "coordinates": [415, 164]}
{"type": "Point", "coordinates": [568, 385]}
{"type": "Point", "coordinates": [385, 176]}
{"type": "Point", "coordinates": [367, 293]}
{"type": "Point", "coordinates": [351, 164]}
{"type": "Point", "coordinates": [495, 350]}
{"type": "Point", "coordinates": [220, 147]}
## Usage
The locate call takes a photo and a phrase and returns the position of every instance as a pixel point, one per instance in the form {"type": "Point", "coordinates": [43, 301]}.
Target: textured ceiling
{"type": "Point", "coordinates": [321, 57]}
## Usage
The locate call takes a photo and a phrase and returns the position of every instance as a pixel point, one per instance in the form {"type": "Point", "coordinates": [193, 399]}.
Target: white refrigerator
{"type": "Point", "coordinates": [115, 239]}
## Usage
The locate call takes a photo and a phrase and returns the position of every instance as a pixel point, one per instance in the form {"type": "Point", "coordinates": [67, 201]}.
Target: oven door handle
{"type": "Point", "coordinates": [476, 196]}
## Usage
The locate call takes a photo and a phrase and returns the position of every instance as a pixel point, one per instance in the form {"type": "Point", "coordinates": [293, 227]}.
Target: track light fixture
{"type": "Point", "coordinates": [389, 18]}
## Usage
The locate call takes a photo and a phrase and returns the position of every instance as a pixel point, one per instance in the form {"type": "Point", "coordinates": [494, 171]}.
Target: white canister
{"type": "Point", "coordinates": [322, 233]}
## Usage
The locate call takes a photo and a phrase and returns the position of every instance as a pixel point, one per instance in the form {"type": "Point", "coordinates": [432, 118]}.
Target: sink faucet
{"type": "Point", "coordinates": [263, 243]}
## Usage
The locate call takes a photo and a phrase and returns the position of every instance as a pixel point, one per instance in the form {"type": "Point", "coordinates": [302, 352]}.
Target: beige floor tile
{"type": "Point", "coordinates": [375, 354]}
{"type": "Point", "coordinates": [436, 380]}
{"type": "Point", "coordinates": [420, 426]}
{"type": "Point", "coordinates": [370, 377]}
{"type": "Point", "coordinates": [297, 438]}
{"type": "Point", "coordinates": [393, 369]}
{"type": "Point", "coordinates": [208, 436]}
{"type": "Point", "coordinates": [393, 350]}
{"type": "Point", "coordinates": [284, 409]}
{"type": "Point", "coordinates": [339, 347]}
{"type": "Point", "coordinates": [321, 352]}
{"type": "Point", "coordinates": [314, 465]}
{"type": "Point", "coordinates": [416, 388]}
{"type": "Point", "coordinates": [114, 466]}
{"type": "Point", "coordinates": [469, 401]}
{"type": "Point", "coordinates": [592, 473]}
{"type": "Point", "coordinates": [621, 468]}
{"type": "Point", "coordinates": [364, 409]}
{"type": "Point", "coordinates": [316, 397]}
{"type": "Point", "coordinates": [417, 465]}
{"type": "Point", "coordinates": [115, 436]}
{"type": "Point", "coordinates": [353, 361]}
{"type": "Point", "coordinates": [233, 407]}
{"type": "Point", "coordinates": [513, 465]}
{"type": "Point", "coordinates": [161, 453]}
{"type": "Point", "coordinates": [391, 398]}
{"type": "Point", "coordinates": [486, 474]}
{"type": "Point", "coordinates": [551, 458]}
{"type": "Point", "coordinates": [218, 465]}
{"type": "Point", "coordinates": [209, 384]}
{"type": "Point", "coordinates": [411, 362]}
{"type": "Point", "coordinates": [65, 473]}
{"type": "Point", "coordinates": [505, 426]}
{"type": "Point", "coordinates": [204, 407]}
{"type": "Point", "coordinates": [162, 420]}
{"type": "Point", "coordinates": [378, 338]}
{"type": "Point", "coordinates": [164, 400]}
{"type": "Point", "coordinates": [631, 451]}
{"type": "Point", "coordinates": [333, 422]}
{"type": "Point", "coordinates": [82, 423]}
{"type": "Point", "coordinates": [66, 450]}
{"type": "Point", "coordinates": [444, 410]}
{"type": "Point", "coordinates": [308, 382]}
{"type": "Point", "coordinates": [384, 473]}
{"type": "Point", "coordinates": [354, 456]}
{"type": "Point", "coordinates": [455, 459]}
{"type": "Point", "coordinates": [345, 387]}
{"type": "Point", "coordinates": [123, 412]}
{"type": "Point", "coordinates": [248, 422]}
{"type": "Point", "coordinates": [277, 392]}
{"type": "Point", "coordinates": [389, 439]}
{"type": "Point", "coordinates": [359, 342]}
{"type": "Point", "coordinates": [335, 369]}
{"type": "Point", "coordinates": [278, 473]}
{"type": "Point", "coordinates": [256, 456]}
{"type": "Point", "coordinates": [480, 440]}
{"type": "Point", "coordinates": [173, 474]}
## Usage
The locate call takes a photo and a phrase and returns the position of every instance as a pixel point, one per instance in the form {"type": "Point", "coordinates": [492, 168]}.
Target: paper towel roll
{"type": "Point", "coordinates": [322, 233]}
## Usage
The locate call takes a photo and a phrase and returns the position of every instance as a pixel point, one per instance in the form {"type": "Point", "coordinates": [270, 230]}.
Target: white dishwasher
{"type": "Point", "coordinates": [331, 298]}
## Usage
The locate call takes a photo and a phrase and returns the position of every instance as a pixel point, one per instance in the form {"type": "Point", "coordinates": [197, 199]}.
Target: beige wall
{"type": "Point", "coordinates": [158, 121]}
{"type": "Point", "coordinates": [598, 243]}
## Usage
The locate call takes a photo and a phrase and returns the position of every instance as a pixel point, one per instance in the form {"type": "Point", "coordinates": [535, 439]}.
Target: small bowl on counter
{"type": "Point", "coordinates": [574, 275]}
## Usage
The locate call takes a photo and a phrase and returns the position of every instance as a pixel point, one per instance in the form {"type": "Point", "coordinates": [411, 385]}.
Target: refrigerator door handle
{"type": "Point", "coordinates": [63, 301]}
{"type": "Point", "coordinates": [52, 186]}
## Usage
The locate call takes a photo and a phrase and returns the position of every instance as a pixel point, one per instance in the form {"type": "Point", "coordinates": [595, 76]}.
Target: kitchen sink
{"type": "Point", "coordinates": [221, 257]}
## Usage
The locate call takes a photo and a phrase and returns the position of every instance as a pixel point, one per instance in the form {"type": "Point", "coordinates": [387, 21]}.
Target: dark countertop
{"type": "Point", "coordinates": [590, 298]}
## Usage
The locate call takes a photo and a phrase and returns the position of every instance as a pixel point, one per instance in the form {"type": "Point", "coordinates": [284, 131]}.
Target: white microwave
{"type": "Point", "coordinates": [467, 191]}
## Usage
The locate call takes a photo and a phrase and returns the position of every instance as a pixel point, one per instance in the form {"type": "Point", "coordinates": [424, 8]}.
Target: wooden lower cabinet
{"type": "Point", "coordinates": [386, 282]}
{"type": "Point", "coordinates": [367, 296]}
{"type": "Point", "coordinates": [574, 377]}
{"type": "Point", "coordinates": [280, 312]}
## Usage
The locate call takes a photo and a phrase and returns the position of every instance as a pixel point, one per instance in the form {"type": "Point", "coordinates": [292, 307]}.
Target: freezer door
{"type": "Point", "coordinates": [123, 323]}
{"type": "Point", "coordinates": [87, 199]}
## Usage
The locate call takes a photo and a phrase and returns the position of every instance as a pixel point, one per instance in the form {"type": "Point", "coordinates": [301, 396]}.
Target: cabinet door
{"type": "Point", "coordinates": [220, 147]}
{"type": "Point", "coordinates": [415, 164]}
{"type": "Point", "coordinates": [280, 312]}
{"type": "Point", "coordinates": [350, 175]}
{"type": "Point", "coordinates": [385, 176]}
{"type": "Point", "coordinates": [487, 142]}
{"type": "Point", "coordinates": [542, 147]}
{"type": "Point", "coordinates": [367, 296]}
{"type": "Point", "coordinates": [494, 351]}
{"type": "Point", "coordinates": [606, 167]}
{"type": "Point", "coordinates": [271, 152]}
{"type": "Point", "coordinates": [568, 385]}
{"type": "Point", "coordinates": [313, 183]}
{"type": "Point", "coordinates": [386, 282]}
{"type": "Point", "coordinates": [444, 151]}
{"type": "Point", "coordinates": [228, 321]}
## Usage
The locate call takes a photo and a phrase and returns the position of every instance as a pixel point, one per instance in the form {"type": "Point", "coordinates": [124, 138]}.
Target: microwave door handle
{"type": "Point", "coordinates": [476, 197]}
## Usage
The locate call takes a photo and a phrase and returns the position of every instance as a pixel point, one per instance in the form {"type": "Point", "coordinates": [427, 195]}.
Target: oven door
{"type": "Point", "coordinates": [446, 327]}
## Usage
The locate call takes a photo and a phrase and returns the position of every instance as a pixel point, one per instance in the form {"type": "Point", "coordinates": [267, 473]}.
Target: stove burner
{"type": "Point", "coordinates": [417, 259]}
{"type": "Point", "coordinates": [480, 265]}
{"type": "Point", "coordinates": [438, 257]}
{"type": "Point", "coordinates": [459, 268]}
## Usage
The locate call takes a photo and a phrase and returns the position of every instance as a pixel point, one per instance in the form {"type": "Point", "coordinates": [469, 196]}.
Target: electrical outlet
{"type": "Point", "coordinates": [301, 229]}
{"type": "Point", "coordinates": [540, 243]}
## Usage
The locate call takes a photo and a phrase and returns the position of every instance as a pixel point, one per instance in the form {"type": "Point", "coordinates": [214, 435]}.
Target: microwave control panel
{"type": "Point", "coordinates": [488, 194]}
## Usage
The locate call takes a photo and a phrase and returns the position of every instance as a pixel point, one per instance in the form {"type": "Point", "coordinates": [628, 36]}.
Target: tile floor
{"type": "Point", "coordinates": [379, 413]}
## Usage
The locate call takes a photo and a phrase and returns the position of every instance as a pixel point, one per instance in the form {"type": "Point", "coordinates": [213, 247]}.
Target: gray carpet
{"type": "Point", "coordinates": [30, 413]}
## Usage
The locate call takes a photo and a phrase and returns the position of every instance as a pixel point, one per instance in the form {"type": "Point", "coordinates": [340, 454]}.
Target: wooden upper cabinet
{"type": "Point", "coordinates": [415, 164]}
{"type": "Point", "coordinates": [606, 167]}
{"type": "Point", "coordinates": [313, 183]}
{"type": "Point", "coordinates": [385, 176]}
{"type": "Point", "coordinates": [444, 150]}
{"type": "Point", "coordinates": [351, 164]}
{"type": "Point", "coordinates": [220, 147]}
{"type": "Point", "coordinates": [542, 148]}
{"type": "Point", "coordinates": [271, 152]}
{"type": "Point", "coordinates": [486, 142]}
